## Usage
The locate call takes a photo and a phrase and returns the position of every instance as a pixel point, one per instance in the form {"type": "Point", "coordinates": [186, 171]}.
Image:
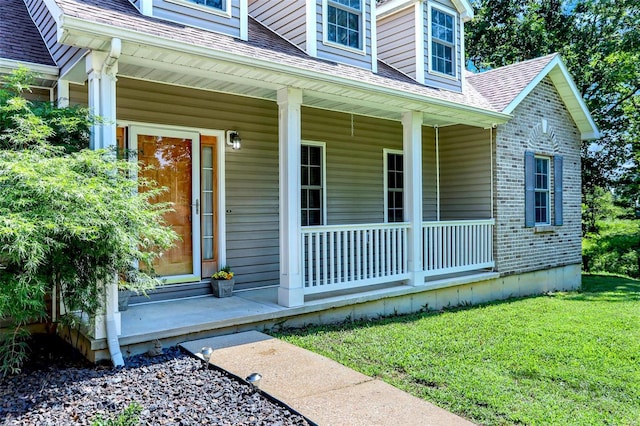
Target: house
{"type": "Point", "coordinates": [335, 153]}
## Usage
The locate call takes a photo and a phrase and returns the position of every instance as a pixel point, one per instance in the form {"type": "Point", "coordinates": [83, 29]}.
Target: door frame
{"type": "Point", "coordinates": [134, 127]}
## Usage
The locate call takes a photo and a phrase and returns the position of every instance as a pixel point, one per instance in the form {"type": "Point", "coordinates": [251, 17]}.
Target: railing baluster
{"type": "Point", "coordinates": [332, 259]}
{"type": "Point", "coordinates": [339, 256]}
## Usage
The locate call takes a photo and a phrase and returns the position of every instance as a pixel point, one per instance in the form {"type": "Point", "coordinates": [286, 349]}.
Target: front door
{"type": "Point", "coordinates": [172, 159]}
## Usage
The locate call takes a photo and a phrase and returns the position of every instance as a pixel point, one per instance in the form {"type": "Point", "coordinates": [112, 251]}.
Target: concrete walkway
{"type": "Point", "coordinates": [321, 389]}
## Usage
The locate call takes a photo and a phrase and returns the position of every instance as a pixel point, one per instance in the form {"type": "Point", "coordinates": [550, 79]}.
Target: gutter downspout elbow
{"type": "Point", "coordinates": [113, 343]}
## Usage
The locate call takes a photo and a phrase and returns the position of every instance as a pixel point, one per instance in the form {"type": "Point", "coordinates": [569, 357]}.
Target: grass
{"type": "Point", "coordinates": [562, 359]}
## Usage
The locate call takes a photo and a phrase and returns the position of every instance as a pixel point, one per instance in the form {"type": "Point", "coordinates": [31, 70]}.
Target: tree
{"type": "Point", "coordinates": [600, 42]}
{"type": "Point", "coordinates": [70, 218]}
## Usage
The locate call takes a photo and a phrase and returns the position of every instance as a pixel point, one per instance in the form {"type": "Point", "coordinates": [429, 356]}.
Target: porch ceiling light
{"type": "Point", "coordinates": [233, 139]}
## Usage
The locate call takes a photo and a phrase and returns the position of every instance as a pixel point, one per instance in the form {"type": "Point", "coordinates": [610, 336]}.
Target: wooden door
{"type": "Point", "coordinates": [171, 159]}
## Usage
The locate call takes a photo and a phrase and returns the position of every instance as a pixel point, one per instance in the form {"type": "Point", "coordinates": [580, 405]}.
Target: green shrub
{"type": "Point", "coordinates": [615, 249]}
{"type": "Point", "coordinates": [70, 218]}
{"type": "Point", "coordinates": [129, 417]}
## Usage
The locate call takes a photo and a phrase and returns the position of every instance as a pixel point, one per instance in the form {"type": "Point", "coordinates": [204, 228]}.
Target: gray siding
{"type": "Point", "coordinates": [252, 172]}
{"type": "Point", "coordinates": [181, 12]}
{"type": "Point", "coordinates": [64, 56]}
{"type": "Point", "coordinates": [429, 180]}
{"type": "Point", "coordinates": [465, 173]}
{"type": "Point", "coordinates": [285, 18]}
{"type": "Point", "coordinates": [397, 41]}
{"type": "Point", "coordinates": [436, 79]}
{"type": "Point", "coordinates": [337, 54]}
{"type": "Point", "coordinates": [354, 163]}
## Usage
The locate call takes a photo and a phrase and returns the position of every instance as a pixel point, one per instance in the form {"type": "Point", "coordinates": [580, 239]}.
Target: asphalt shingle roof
{"type": "Point", "coordinates": [502, 85]}
{"type": "Point", "coordinates": [263, 44]}
{"type": "Point", "coordinates": [19, 38]}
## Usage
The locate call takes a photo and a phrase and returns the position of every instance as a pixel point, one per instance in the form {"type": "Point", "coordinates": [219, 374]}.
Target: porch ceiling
{"type": "Point", "coordinates": [257, 79]}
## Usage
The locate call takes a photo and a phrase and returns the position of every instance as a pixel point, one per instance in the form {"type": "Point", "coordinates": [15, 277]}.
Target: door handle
{"type": "Point", "coordinates": [197, 206]}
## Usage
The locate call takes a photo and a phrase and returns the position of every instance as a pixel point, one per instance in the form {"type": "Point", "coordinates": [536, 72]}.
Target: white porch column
{"type": "Point", "coordinates": [290, 293]}
{"type": "Point", "coordinates": [102, 68]}
{"type": "Point", "coordinates": [412, 161]}
{"type": "Point", "coordinates": [63, 94]}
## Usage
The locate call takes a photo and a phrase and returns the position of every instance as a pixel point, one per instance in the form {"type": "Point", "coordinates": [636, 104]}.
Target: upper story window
{"type": "Point", "coordinates": [443, 36]}
{"type": "Point", "coordinates": [344, 22]}
{"type": "Point", "coordinates": [216, 4]}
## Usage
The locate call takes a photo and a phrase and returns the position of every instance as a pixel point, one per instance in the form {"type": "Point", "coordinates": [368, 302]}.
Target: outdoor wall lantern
{"type": "Point", "coordinates": [233, 139]}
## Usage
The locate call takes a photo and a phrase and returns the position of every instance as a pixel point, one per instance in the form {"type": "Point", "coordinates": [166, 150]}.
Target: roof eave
{"type": "Point", "coordinates": [48, 72]}
{"type": "Point", "coordinates": [69, 25]}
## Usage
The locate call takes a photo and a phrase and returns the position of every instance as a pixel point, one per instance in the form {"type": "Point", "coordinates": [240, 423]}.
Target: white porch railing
{"type": "Point", "coordinates": [457, 246]}
{"type": "Point", "coordinates": [347, 256]}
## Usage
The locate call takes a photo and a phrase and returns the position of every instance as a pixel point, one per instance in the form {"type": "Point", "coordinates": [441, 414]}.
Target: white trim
{"type": "Point", "coordinates": [175, 132]}
{"type": "Point", "coordinates": [548, 190]}
{"type": "Point", "coordinates": [437, 141]}
{"type": "Point", "coordinates": [456, 33]}
{"type": "Point", "coordinates": [385, 178]}
{"type": "Point", "coordinates": [146, 7]}
{"type": "Point", "coordinates": [391, 7]}
{"type": "Point", "coordinates": [221, 237]}
{"type": "Point", "coordinates": [363, 29]}
{"type": "Point", "coordinates": [244, 20]}
{"type": "Point", "coordinates": [572, 96]}
{"type": "Point", "coordinates": [420, 35]}
{"type": "Point", "coordinates": [463, 60]}
{"type": "Point", "coordinates": [311, 30]}
{"type": "Point", "coordinates": [203, 8]}
{"type": "Point", "coordinates": [374, 38]}
{"type": "Point", "coordinates": [48, 72]}
{"type": "Point", "coordinates": [322, 145]}
{"type": "Point", "coordinates": [388, 8]}
{"type": "Point", "coordinates": [95, 29]}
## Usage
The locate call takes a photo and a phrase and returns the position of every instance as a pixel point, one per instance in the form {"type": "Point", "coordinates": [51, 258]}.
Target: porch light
{"type": "Point", "coordinates": [206, 353]}
{"type": "Point", "coordinates": [233, 139]}
{"type": "Point", "coordinates": [254, 380]}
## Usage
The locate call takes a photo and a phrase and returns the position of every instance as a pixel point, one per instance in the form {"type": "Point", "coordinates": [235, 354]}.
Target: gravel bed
{"type": "Point", "coordinates": [172, 388]}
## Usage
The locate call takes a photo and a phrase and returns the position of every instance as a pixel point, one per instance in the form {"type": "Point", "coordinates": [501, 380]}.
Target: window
{"type": "Point", "coordinates": [216, 4]}
{"type": "Point", "coordinates": [443, 42]}
{"type": "Point", "coordinates": [542, 191]}
{"type": "Point", "coordinates": [394, 186]}
{"type": "Point", "coordinates": [312, 184]}
{"type": "Point", "coordinates": [541, 198]}
{"type": "Point", "coordinates": [344, 19]}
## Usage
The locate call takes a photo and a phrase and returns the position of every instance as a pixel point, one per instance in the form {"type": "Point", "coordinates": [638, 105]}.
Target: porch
{"type": "Point", "coordinates": [179, 320]}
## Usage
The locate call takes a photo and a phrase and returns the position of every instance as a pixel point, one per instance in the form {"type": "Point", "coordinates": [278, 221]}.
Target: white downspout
{"type": "Point", "coordinates": [437, 173]}
{"type": "Point", "coordinates": [108, 112]}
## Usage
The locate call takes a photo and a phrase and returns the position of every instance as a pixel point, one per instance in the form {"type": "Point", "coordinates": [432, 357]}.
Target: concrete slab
{"type": "Point", "coordinates": [319, 388]}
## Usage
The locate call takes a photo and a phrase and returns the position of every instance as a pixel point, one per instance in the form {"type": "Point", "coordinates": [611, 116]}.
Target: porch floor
{"type": "Point", "coordinates": [176, 321]}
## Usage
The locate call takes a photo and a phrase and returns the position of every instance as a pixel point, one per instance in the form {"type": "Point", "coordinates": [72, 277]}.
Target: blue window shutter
{"type": "Point", "coordinates": [529, 189]}
{"type": "Point", "coordinates": [557, 190]}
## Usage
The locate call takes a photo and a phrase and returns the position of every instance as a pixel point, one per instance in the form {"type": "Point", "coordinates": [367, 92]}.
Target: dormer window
{"type": "Point", "coordinates": [443, 47]}
{"type": "Point", "coordinates": [344, 23]}
{"type": "Point", "coordinates": [215, 4]}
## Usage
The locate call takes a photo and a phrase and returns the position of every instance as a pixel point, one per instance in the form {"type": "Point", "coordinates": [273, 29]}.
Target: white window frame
{"type": "Point", "coordinates": [385, 178]}
{"type": "Point", "coordinates": [226, 12]}
{"type": "Point", "coordinates": [323, 178]}
{"type": "Point", "coordinates": [454, 46]}
{"type": "Point", "coordinates": [325, 26]}
{"type": "Point", "coordinates": [537, 190]}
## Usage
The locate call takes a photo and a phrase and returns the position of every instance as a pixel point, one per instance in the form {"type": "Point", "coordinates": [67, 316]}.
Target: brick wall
{"type": "Point", "coordinates": [518, 249]}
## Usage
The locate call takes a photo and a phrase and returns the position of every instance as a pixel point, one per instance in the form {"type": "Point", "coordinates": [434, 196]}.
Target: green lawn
{"type": "Point", "coordinates": [562, 359]}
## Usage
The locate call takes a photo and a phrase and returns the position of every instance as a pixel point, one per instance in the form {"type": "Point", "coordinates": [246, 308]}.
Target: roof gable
{"type": "Point", "coordinates": [504, 88]}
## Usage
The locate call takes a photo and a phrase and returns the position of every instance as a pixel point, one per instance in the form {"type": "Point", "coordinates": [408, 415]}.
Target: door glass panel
{"type": "Point", "coordinates": [167, 161]}
{"type": "Point", "coordinates": [207, 202]}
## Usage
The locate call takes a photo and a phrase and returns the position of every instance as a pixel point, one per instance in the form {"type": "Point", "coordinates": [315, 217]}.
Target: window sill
{"type": "Point", "coordinates": [542, 229]}
{"type": "Point", "coordinates": [344, 47]}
